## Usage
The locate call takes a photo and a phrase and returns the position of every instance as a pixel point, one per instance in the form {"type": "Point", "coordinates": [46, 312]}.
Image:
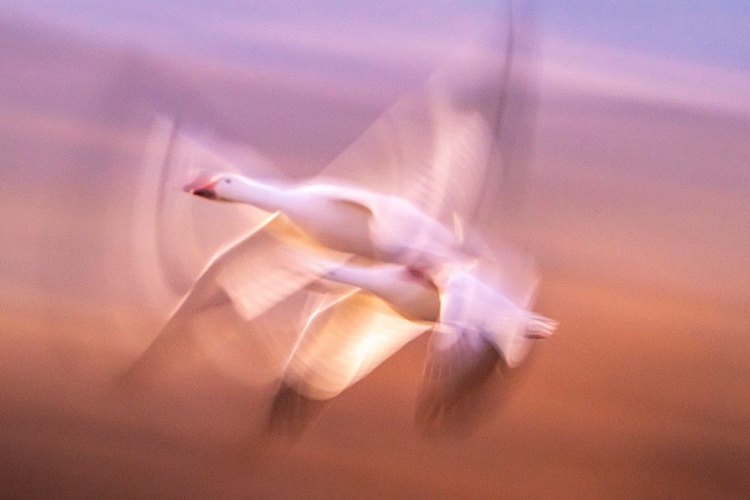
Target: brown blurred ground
{"type": "Point", "coordinates": [636, 211]}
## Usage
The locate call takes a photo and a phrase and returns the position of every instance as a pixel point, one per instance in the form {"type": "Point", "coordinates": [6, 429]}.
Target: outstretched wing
{"type": "Point", "coordinates": [268, 265]}
{"type": "Point", "coordinates": [252, 275]}
{"type": "Point", "coordinates": [344, 342]}
{"type": "Point", "coordinates": [459, 364]}
{"type": "Point", "coordinates": [426, 149]}
{"type": "Point", "coordinates": [175, 234]}
{"type": "Point", "coordinates": [457, 145]}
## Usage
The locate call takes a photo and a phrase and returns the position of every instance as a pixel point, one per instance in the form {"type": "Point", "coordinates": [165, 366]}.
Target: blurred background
{"type": "Point", "coordinates": [629, 185]}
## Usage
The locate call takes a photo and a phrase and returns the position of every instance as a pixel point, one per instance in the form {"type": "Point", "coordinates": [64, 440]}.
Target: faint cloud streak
{"type": "Point", "coordinates": [613, 72]}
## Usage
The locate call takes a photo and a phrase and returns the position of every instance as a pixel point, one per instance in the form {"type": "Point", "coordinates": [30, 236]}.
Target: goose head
{"type": "Point", "coordinates": [220, 187]}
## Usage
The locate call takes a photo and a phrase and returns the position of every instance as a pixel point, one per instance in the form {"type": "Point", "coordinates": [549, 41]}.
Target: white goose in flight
{"type": "Point", "coordinates": [263, 267]}
{"type": "Point", "coordinates": [354, 330]}
{"type": "Point", "coordinates": [390, 229]}
{"type": "Point", "coordinates": [329, 222]}
{"type": "Point", "coordinates": [428, 281]}
{"type": "Point", "coordinates": [472, 327]}
{"type": "Point", "coordinates": [345, 218]}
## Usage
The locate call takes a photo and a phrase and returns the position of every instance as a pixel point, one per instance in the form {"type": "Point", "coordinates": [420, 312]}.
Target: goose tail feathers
{"type": "Point", "coordinates": [540, 327]}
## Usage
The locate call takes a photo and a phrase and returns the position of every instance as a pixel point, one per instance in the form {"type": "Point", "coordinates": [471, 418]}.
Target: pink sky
{"type": "Point", "coordinates": [635, 204]}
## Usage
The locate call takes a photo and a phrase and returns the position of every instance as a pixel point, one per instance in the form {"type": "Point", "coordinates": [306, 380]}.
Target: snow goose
{"type": "Point", "coordinates": [472, 324]}
{"type": "Point", "coordinates": [254, 272]}
{"type": "Point", "coordinates": [346, 218]}
{"type": "Point", "coordinates": [458, 141]}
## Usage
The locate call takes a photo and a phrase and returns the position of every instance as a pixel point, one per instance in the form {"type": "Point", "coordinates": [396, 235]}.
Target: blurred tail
{"type": "Point", "coordinates": [539, 327]}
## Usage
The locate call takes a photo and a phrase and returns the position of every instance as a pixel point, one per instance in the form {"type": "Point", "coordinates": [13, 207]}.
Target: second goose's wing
{"type": "Point", "coordinates": [344, 342]}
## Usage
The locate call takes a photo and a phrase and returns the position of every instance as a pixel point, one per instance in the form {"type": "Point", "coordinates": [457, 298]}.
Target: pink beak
{"type": "Point", "coordinates": [202, 187]}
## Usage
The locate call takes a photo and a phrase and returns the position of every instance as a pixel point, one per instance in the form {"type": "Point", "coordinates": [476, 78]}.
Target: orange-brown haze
{"type": "Point", "coordinates": [636, 210]}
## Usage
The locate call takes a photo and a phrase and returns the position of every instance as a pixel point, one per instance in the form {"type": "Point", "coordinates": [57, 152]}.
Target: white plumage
{"type": "Point", "coordinates": [375, 268]}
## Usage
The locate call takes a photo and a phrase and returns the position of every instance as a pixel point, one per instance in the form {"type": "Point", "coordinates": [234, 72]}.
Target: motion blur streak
{"type": "Point", "coordinates": [634, 201]}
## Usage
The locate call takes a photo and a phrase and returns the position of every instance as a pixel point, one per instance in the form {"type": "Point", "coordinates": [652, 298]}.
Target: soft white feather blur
{"type": "Point", "coordinates": [437, 165]}
{"type": "Point", "coordinates": [333, 220]}
{"type": "Point", "coordinates": [431, 279]}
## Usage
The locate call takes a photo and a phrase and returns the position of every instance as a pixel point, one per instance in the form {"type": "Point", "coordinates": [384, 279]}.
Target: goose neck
{"type": "Point", "coordinates": [263, 196]}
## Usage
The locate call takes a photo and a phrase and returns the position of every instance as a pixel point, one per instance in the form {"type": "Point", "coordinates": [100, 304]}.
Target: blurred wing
{"type": "Point", "coordinates": [253, 352]}
{"type": "Point", "coordinates": [175, 234]}
{"type": "Point", "coordinates": [508, 270]}
{"type": "Point", "coordinates": [450, 179]}
{"type": "Point", "coordinates": [434, 145]}
{"type": "Point", "coordinates": [268, 265]}
{"type": "Point", "coordinates": [458, 364]}
{"type": "Point", "coordinates": [344, 342]}
{"type": "Point", "coordinates": [260, 271]}
{"type": "Point", "coordinates": [515, 114]}
{"type": "Point", "coordinates": [423, 149]}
